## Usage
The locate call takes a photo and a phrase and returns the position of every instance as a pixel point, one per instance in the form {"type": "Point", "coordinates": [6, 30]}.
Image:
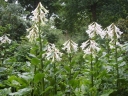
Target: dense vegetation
{"type": "Point", "coordinates": [63, 48]}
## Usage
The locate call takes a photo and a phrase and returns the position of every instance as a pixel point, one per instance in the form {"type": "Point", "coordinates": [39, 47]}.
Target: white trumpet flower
{"type": "Point", "coordinates": [53, 53]}
{"type": "Point", "coordinates": [112, 44]}
{"type": "Point", "coordinates": [70, 46]}
{"type": "Point", "coordinates": [90, 46]}
{"type": "Point", "coordinates": [95, 29]}
{"type": "Point", "coordinates": [33, 33]}
{"type": "Point", "coordinates": [112, 31]}
{"type": "Point", "coordinates": [5, 39]}
{"type": "Point", "coordinates": [107, 32]}
{"type": "Point", "coordinates": [39, 19]}
{"type": "Point", "coordinates": [39, 14]}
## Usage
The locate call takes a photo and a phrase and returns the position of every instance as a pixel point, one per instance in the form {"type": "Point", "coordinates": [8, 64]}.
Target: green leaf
{"type": "Point", "coordinates": [35, 61]}
{"type": "Point", "coordinates": [47, 89]}
{"type": "Point", "coordinates": [107, 92]}
{"type": "Point", "coordinates": [74, 83]}
{"type": "Point", "coordinates": [67, 68]}
{"type": "Point", "coordinates": [12, 78]}
{"type": "Point", "coordinates": [17, 81]}
{"type": "Point", "coordinates": [31, 55]}
{"type": "Point", "coordinates": [33, 50]}
{"type": "Point", "coordinates": [26, 76]}
{"type": "Point", "coordinates": [38, 77]}
{"type": "Point", "coordinates": [5, 91]}
{"type": "Point", "coordinates": [75, 74]}
{"type": "Point", "coordinates": [21, 92]}
{"type": "Point", "coordinates": [2, 69]}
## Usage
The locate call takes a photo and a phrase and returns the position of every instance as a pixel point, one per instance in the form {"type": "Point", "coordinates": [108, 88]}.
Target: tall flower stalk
{"type": "Point", "coordinates": [35, 32]}
{"type": "Point", "coordinates": [90, 47]}
{"type": "Point", "coordinates": [70, 47]}
{"type": "Point", "coordinates": [114, 34]}
{"type": "Point", "coordinates": [108, 38]}
{"type": "Point", "coordinates": [54, 55]}
{"type": "Point", "coordinates": [4, 39]}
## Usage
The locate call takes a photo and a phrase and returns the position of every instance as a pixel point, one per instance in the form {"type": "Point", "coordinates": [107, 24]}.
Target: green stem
{"type": "Point", "coordinates": [91, 72]}
{"type": "Point", "coordinates": [33, 91]}
{"type": "Point", "coordinates": [70, 60]}
{"type": "Point", "coordinates": [55, 87]}
{"type": "Point", "coordinates": [97, 67]}
{"type": "Point", "coordinates": [117, 70]}
{"type": "Point", "coordinates": [108, 51]}
{"type": "Point", "coordinates": [35, 70]}
{"type": "Point", "coordinates": [92, 83]}
{"type": "Point", "coordinates": [108, 48]}
{"type": "Point", "coordinates": [41, 59]}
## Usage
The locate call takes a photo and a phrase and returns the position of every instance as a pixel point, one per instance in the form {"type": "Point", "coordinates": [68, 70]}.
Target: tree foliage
{"type": "Point", "coordinates": [12, 17]}
{"type": "Point", "coordinates": [30, 5]}
{"type": "Point", "coordinates": [77, 13]}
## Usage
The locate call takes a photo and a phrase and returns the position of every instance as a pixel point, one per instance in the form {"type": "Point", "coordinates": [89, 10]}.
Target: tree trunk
{"type": "Point", "coordinates": [93, 11]}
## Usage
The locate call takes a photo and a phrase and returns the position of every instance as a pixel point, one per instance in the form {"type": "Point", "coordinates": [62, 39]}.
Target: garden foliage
{"type": "Point", "coordinates": [38, 68]}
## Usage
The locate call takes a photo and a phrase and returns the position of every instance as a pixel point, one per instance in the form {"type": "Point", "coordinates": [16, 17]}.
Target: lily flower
{"type": "Point", "coordinates": [70, 46]}
{"type": "Point", "coordinates": [112, 31]}
{"type": "Point", "coordinates": [33, 33]}
{"type": "Point", "coordinates": [5, 39]}
{"type": "Point", "coordinates": [95, 29]}
{"type": "Point", "coordinates": [112, 44]}
{"type": "Point", "coordinates": [39, 14]}
{"type": "Point", "coordinates": [39, 18]}
{"type": "Point", "coordinates": [53, 53]}
{"type": "Point", "coordinates": [90, 46]}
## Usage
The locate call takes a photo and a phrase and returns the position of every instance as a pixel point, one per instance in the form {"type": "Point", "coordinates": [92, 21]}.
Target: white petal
{"type": "Point", "coordinates": [70, 46]}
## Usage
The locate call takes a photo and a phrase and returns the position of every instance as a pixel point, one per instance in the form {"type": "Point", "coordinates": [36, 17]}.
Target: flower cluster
{"type": "Point", "coordinates": [33, 33]}
{"type": "Point", "coordinates": [90, 47]}
{"type": "Point", "coordinates": [39, 14]}
{"type": "Point", "coordinates": [95, 29]}
{"type": "Point", "coordinates": [112, 44]}
{"type": "Point", "coordinates": [53, 53]}
{"type": "Point", "coordinates": [5, 39]}
{"type": "Point", "coordinates": [70, 46]}
{"type": "Point", "coordinates": [38, 17]}
{"type": "Point", "coordinates": [113, 32]}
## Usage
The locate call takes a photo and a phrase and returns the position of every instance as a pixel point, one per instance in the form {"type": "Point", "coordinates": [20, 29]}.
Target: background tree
{"type": "Point", "coordinates": [72, 16]}
{"type": "Point", "coordinates": [12, 16]}
{"type": "Point", "coordinates": [30, 5]}
{"type": "Point", "coordinates": [123, 25]}
{"type": "Point", "coordinates": [75, 13]}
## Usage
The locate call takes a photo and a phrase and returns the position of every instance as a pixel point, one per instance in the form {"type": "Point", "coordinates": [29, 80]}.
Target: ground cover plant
{"type": "Point", "coordinates": [98, 67]}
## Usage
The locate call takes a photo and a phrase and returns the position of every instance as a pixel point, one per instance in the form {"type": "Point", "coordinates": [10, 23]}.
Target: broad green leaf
{"type": "Point", "coordinates": [5, 91]}
{"type": "Point", "coordinates": [31, 55]}
{"type": "Point", "coordinates": [27, 76]}
{"type": "Point", "coordinates": [2, 69]}
{"type": "Point", "coordinates": [35, 61]}
{"type": "Point", "coordinates": [17, 81]}
{"type": "Point", "coordinates": [107, 92]}
{"type": "Point", "coordinates": [47, 89]}
{"type": "Point", "coordinates": [21, 92]}
{"type": "Point", "coordinates": [67, 68]}
{"type": "Point", "coordinates": [74, 83]}
{"type": "Point", "coordinates": [38, 77]}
